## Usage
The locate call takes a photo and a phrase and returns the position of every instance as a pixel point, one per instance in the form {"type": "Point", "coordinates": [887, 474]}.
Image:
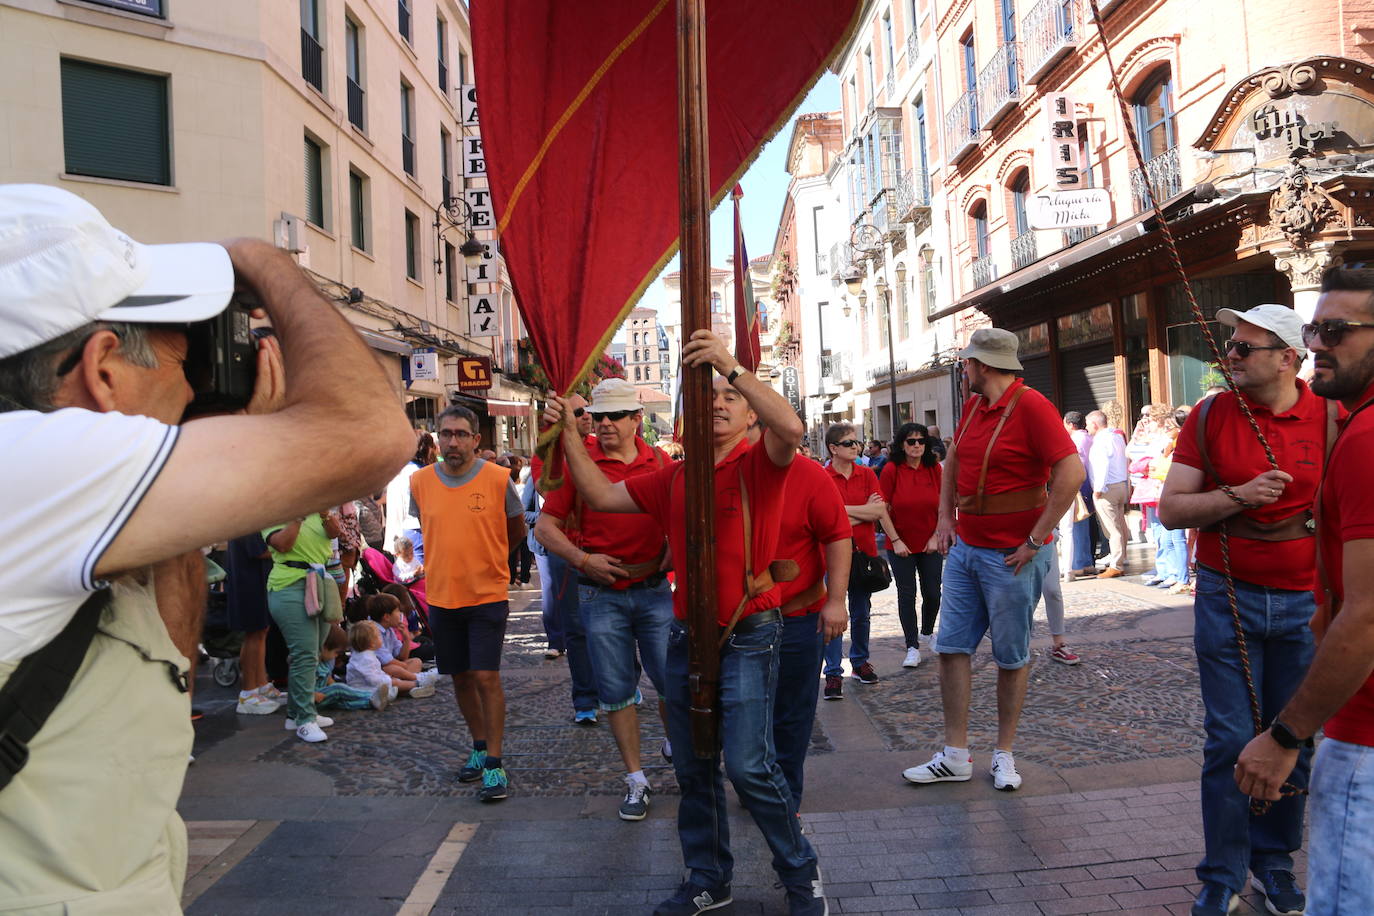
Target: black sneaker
{"type": "Point", "coordinates": [834, 687]}
{"type": "Point", "coordinates": [691, 899]}
{"type": "Point", "coordinates": [636, 804]}
{"type": "Point", "coordinates": [807, 899]}
{"type": "Point", "coordinates": [472, 770]}
{"type": "Point", "coordinates": [494, 785]}
{"type": "Point", "coordinates": [865, 674]}
{"type": "Point", "coordinates": [1282, 896]}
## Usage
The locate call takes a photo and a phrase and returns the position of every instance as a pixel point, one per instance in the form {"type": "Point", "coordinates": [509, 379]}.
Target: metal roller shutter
{"type": "Point", "coordinates": [1087, 377]}
{"type": "Point", "coordinates": [1036, 374]}
{"type": "Point", "coordinates": [114, 123]}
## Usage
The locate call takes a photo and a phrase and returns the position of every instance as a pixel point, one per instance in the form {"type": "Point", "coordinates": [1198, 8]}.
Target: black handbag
{"type": "Point", "coordinates": [868, 574]}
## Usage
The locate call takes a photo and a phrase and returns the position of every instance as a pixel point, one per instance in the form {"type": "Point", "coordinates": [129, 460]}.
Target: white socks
{"type": "Point", "coordinates": [957, 754]}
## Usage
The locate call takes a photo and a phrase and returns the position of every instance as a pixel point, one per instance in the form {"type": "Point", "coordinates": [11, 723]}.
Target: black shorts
{"type": "Point", "coordinates": [469, 638]}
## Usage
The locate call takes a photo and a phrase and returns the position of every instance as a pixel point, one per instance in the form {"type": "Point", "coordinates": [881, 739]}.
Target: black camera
{"type": "Point", "coordinates": [222, 360]}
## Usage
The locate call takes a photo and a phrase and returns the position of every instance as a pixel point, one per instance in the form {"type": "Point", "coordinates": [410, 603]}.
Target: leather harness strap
{"type": "Point", "coordinates": [983, 503]}
{"type": "Point", "coordinates": [805, 599]}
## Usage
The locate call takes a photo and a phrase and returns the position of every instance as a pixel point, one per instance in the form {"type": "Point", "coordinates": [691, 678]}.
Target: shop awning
{"type": "Point", "coordinates": [497, 408]}
{"type": "Point", "coordinates": [382, 342]}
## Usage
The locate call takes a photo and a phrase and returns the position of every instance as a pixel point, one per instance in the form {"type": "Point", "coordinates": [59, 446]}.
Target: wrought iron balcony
{"type": "Point", "coordinates": [885, 214]}
{"type": "Point", "coordinates": [841, 262]}
{"type": "Point", "coordinates": [913, 196]}
{"type": "Point", "coordinates": [408, 154]}
{"type": "Point", "coordinates": [961, 125]}
{"type": "Point", "coordinates": [822, 263]}
{"type": "Point", "coordinates": [835, 368]}
{"type": "Point", "coordinates": [912, 47]}
{"type": "Point", "coordinates": [1023, 250]}
{"type": "Point", "coordinates": [312, 60]}
{"type": "Point", "coordinates": [1048, 32]}
{"type": "Point", "coordinates": [356, 110]}
{"type": "Point", "coordinates": [891, 85]}
{"type": "Point", "coordinates": [999, 84]}
{"type": "Point", "coordinates": [1160, 176]}
{"type": "Point", "coordinates": [982, 272]}
{"type": "Point", "coordinates": [1079, 234]}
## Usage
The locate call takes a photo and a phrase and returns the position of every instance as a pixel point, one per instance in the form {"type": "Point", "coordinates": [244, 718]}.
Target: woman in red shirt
{"type": "Point", "coordinates": [910, 485]}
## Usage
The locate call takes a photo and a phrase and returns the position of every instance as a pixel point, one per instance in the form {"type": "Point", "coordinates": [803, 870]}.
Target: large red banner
{"type": "Point", "coordinates": [578, 108]}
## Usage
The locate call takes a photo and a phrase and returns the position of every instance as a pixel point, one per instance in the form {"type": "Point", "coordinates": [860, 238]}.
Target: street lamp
{"type": "Point", "coordinates": [456, 213]}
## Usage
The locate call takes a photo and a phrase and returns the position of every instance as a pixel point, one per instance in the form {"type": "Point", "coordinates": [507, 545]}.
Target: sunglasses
{"type": "Point", "coordinates": [849, 443]}
{"type": "Point", "coordinates": [915, 441]}
{"type": "Point", "coordinates": [1244, 349]}
{"type": "Point", "coordinates": [1331, 331]}
{"type": "Point", "coordinates": [612, 415]}
{"type": "Point", "coordinates": [579, 411]}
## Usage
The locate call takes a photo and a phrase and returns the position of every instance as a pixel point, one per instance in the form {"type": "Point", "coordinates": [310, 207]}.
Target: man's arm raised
{"type": "Point", "coordinates": [783, 429]}
{"type": "Point", "coordinates": [596, 490]}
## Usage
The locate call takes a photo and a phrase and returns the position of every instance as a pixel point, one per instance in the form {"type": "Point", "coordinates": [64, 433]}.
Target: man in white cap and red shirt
{"type": "Point", "coordinates": [94, 719]}
{"type": "Point", "coordinates": [1221, 482]}
{"type": "Point", "coordinates": [622, 592]}
{"type": "Point", "coordinates": [1011, 474]}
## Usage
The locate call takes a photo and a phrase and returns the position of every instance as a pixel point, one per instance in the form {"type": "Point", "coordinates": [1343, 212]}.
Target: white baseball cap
{"type": "Point", "coordinates": [62, 265]}
{"type": "Point", "coordinates": [614, 394]}
{"type": "Point", "coordinates": [1278, 319]}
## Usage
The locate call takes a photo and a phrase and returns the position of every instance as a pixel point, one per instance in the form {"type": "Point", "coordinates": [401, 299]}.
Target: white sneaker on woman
{"type": "Point", "coordinates": [913, 657]}
{"type": "Point", "coordinates": [311, 732]}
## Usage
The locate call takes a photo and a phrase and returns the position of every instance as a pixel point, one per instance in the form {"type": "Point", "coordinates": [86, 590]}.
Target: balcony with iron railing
{"type": "Point", "coordinates": [913, 196]}
{"type": "Point", "coordinates": [356, 110]}
{"type": "Point", "coordinates": [999, 84]}
{"type": "Point", "coordinates": [982, 272]}
{"type": "Point", "coordinates": [891, 85]}
{"type": "Point", "coordinates": [822, 263]}
{"type": "Point", "coordinates": [1079, 234]}
{"type": "Point", "coordinates": [312, 60]}
{"type": "Point", "coordinates": [1048, 32]}
{"type": "Point", "coordinates": [961, 125]}
{"type": "Point", "coordinates": [1023, 250]}
{"type": "Point", "coordinates": [408, 154]}
{"type": "Point", "coordinates": [835, 368]}
{"type": "Point", "coordinates": [912, 48]}
{"type": "Point", "coordinates": [884, 212]}
{"type": "Point", "coordinates": [841, 262]}
{"type": "Point", "coordinates": [1160, 175]}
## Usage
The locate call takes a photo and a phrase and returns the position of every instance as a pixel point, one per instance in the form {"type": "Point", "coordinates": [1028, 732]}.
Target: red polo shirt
{"type": "Point", "coordinates": [855, 490]}
{"type": "Point", "coordinates": [1030, 443]}
{"type": "Point", "coordinates": [1298, 439]}
{"type": "Point", "coordinates": [812, 517]}
{"type": "Point", "coordinates": [631, 539]}
{"type": "Point", "coordinates": [662, 495]}
{"type": "Point", "coordinates": [1348, 515]}
{"type": "Point", "coordinates": [913, 498]}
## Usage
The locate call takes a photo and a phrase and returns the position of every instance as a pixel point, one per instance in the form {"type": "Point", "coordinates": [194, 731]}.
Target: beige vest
{"type": "Point", "coordinates": [89, 826]}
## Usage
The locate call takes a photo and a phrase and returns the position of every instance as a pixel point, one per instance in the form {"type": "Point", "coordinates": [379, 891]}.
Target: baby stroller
{"type": "Point", "coordinates": [220, 644]}
{"type": "Point", "coordinates": [374, 573]}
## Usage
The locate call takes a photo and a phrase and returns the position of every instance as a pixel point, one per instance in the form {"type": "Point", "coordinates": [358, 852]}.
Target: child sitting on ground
{"type": "Point", "coordinates": [406, 568]}
{"type": "Point", "coordinates": [421, 646]}
{"type": "Point", "coordinates": [385, 611]}
{"type": "Point", "coordinates": [330, 694]}
{"type": "Point", "coordinates": [365, 670]}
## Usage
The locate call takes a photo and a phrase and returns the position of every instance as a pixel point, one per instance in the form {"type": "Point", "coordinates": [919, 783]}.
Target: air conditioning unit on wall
{"type": "Point", "coordinates": [287, 232]}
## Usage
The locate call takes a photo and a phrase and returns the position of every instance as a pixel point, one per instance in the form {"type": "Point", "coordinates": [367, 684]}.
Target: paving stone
{"type": "Point", "coordinates": [1132, 867]}
{"type": "Point", "coordinates": [1029, 893]}
{"type": "Point", "coordinates": [1054, 876]}
{"type": "Point", "coordinates": [899, 902]}
{"type": "Point", "coordinates": [1154, 897]}
{"type": "Point", "coordinates": [1073, 905]}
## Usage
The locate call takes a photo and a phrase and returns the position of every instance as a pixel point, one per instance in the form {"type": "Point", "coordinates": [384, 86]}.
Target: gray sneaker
{"type": "Point", "coordinates": [636, 803]}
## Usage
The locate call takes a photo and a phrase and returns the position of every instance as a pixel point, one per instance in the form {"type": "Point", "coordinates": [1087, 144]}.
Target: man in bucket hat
{"type": "Point", "coordinates": [1011, 474]}
{"type": "Point", "coordinates": [94, 718]}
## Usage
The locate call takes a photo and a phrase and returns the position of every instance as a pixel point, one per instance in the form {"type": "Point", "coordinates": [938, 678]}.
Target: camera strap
{"type": "Point", "coordinates": [41, 681]}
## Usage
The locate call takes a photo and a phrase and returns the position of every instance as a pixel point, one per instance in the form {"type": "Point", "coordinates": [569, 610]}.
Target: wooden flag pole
{"type": "Point", "coordinates": [697, 392]}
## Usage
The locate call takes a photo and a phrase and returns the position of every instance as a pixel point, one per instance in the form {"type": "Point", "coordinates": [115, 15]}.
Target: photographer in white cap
{"type": "Point", "coordinates": [623, 595]}
{"type": "Point", "coordinates": [94, 719]}
{"type": "Point", "coordinates": [1221, 480]}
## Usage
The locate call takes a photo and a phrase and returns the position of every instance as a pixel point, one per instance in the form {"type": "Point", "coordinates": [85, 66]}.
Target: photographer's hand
{"type": "Point", "coordinates": [269, 391]}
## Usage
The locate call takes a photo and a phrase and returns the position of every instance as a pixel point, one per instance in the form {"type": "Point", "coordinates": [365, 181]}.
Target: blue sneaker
{"type": "Point", "coordinates": [639, 697]}
{"type": "Point", "coordinates": [1215, 900]}
{"type": "Point", "coordinates": [692, 899]}
{"type": "Point", "coordinates": [585, 717]}
{"type": "Point", "coordinates": [1282, 896]}
{"type": "Point", "coordinates": [472, 770]}
{"type": "Point", "coordinates": [494, 785]}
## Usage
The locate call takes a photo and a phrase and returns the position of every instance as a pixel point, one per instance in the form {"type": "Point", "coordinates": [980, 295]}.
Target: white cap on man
{"type": "Point", "coordinates": [613, 395]}
{"type": "Point", "coordinates": [1279, 320]}
{"type": "Point", "coordinates": [62, 265]}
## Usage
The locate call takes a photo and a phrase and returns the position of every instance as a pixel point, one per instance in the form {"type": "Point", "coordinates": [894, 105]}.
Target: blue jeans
{"type": "Point", "coordinates": [1083, 544]}
{"type": "Point", "coordinates": [748, 685]}
{"type": "Point", "coordinates": [983, 595]}
{"type": "Point", "coordinates": [859, 604]}
{"type": "Point", "coordinates": [794, 709]}
{"type": "Point", "coordinates": [559, 585]}
{"type": "Point", "coordinates": [617, 623]}
{"type": "Point", "coordinates": [1341, 846]}
{"type": "Point", "coordinates": [1280, 648]}
{"type": "Point", "coordinates": [905, 572]}
{"type": "Point", "coordinates": [1176, 554]}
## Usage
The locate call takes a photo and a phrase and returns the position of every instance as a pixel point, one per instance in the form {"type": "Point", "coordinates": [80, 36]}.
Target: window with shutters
{"type": "Point", "coordinates": [451, 266]}
{"type": "Point", "coordinates": [442, 29]}
{"type": "Point", "coordinates": [412, 246]}
{"type": "Point", "coordinates": [353, 55]}
{"type": "Point", "coordinates": [314, 182]}
{"type": "Point", "coordinates": [445, 169]}
{"type": "Point", "coordinates": [358, 209]}
{"type": "Point", "coordinates": [407, 132]}
{"type": "Point", "coordinates": [114, 123]}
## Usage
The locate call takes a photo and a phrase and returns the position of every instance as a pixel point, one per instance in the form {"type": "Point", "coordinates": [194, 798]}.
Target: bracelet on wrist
{"type": "Point", "coordinates": [1235, 497]}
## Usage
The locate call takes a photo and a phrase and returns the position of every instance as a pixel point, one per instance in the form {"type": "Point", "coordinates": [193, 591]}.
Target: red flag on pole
{"type": "Point", "coordinates": [578, 111]}
{"type": "Point", "coordinates": [747, 349]}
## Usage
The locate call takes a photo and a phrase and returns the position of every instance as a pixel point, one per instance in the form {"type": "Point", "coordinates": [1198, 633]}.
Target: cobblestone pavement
{"type": "Point", "coordinates": [372, 820]}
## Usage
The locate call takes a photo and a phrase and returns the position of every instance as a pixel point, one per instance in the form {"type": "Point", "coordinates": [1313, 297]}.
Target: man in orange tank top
{"type": "Point", "coordinates": [469, 514]}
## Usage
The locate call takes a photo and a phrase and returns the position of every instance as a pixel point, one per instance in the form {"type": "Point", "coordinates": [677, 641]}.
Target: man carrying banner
{"type": "Point", "coordinates": [622, 592]}
{"type": "Point", "coordinates": [1008, 447]}
{"type": "Point", "coordinates": [1221, 477]}
{"type": "Point", "coordinates": [750, 487]}
{"type": "Point", "coordinates": [1337, 695]}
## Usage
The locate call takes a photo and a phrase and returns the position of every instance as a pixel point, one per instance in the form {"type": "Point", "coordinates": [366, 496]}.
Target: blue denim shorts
{"type": "Point", "coordinates": [980, 595]}
{"type": "Point", "coordinates": [618, 623]}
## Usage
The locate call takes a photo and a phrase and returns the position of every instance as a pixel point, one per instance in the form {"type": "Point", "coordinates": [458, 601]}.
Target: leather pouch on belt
{"type": "Point", "coordinates": [1002, 503]}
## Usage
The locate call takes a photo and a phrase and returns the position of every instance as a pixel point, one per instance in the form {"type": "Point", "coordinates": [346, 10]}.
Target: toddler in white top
{"type": "Point", "coordinates": [365, 668]}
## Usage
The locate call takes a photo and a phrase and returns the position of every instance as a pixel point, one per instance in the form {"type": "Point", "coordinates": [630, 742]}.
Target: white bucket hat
{"type": "Point", "coordinates": [62, 265]}
{"type": "Point", "coordinates": [614, 394]}
{"type": "Point", "coordinates": [993, 347]}
{"type": "Point", "coordinates": [1278, 319]}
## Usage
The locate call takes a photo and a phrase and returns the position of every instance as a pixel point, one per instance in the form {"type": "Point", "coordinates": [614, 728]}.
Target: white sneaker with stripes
{"type": "Point", "coordinates": [941, 768]}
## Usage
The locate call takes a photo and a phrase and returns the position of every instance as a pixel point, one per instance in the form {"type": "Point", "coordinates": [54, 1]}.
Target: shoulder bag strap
{"type": "Point", "coordinates": [987, 454]}
{"type": "Point", "coordinates": [1203, 409]}
{"type": "Point", "coordinates": [41, 681]}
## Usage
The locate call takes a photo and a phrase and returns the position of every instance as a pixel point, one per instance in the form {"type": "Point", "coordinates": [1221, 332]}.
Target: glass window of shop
{"type": "Point", "coordinates": [1192, 368]}
{"type": "Point", "coordinates": [1136, 327]}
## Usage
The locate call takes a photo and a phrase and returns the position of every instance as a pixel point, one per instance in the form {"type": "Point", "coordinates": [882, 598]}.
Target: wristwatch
{"type": "Point", "coordinates": [1030, 542]}
{"type": "Point", "coordinates": [1284, 737]}
{"type": "Point", "coordinates": [735, 373]}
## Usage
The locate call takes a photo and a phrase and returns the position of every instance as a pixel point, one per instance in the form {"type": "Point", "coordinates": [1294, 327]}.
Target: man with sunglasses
{"type": "Point", "coordinates": [1337, 695]}
{"type": "Point", "coordinates": [749, 490]}
{"type": "Point", "coordinates": [623, 595]}
{"type": "Point", "coordinates": [1221, 480]}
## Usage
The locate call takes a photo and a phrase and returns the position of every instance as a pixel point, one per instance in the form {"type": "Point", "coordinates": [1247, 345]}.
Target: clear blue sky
{"type": "Point", "coordinates": [765, 189]}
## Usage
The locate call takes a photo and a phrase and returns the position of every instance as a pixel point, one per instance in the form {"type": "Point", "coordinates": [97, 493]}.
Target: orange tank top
{"type": "Point", "coordinates": [464, 530]}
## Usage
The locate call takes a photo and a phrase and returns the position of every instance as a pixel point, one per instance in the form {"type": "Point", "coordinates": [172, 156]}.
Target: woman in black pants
{"type": "Point", "coordinates": [910, 485]}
